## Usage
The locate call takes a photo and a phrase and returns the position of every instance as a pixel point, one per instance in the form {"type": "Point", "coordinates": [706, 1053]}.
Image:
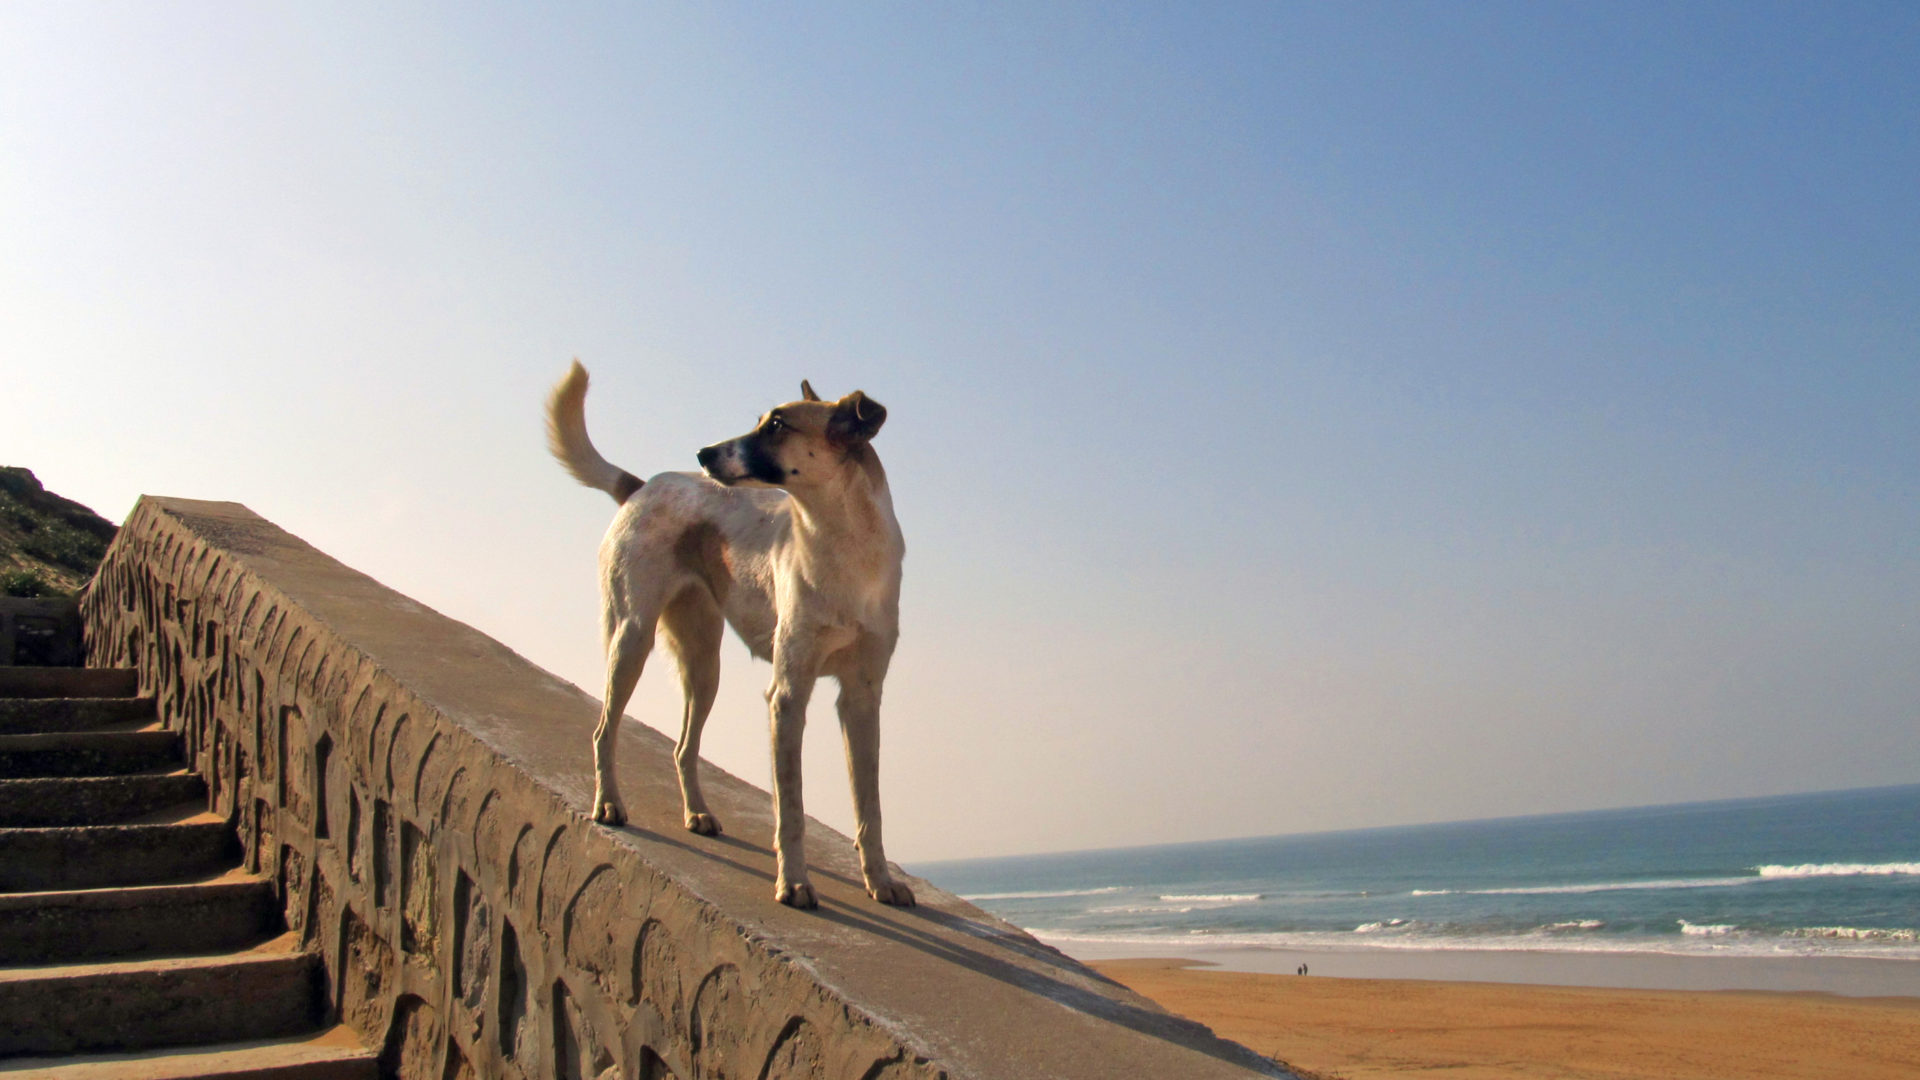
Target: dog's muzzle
{"type": "Point", "coordinates": [720, 463]}
{"type": "Point", "coordinates": [741, 460]}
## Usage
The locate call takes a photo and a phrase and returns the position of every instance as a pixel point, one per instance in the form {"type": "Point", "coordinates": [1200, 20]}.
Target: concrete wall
{"type": "Point", "coordinates": [418, 794]}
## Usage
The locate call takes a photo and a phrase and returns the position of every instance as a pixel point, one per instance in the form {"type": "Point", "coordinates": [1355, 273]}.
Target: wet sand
{"type": "Point", "coordinates": [1852, 976]}
{"type": "Point", "coordinates": [1357, 1028]}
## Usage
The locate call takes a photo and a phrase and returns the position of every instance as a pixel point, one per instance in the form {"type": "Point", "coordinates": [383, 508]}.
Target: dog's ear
{"type": "Point", "coordinates": [806, 391]}
{"type": "Point", "coordinates": [856, 418]}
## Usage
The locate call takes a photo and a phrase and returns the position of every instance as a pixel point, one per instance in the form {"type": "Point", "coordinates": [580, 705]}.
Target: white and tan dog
{"type": "Point", "coordinates": [790, 538]}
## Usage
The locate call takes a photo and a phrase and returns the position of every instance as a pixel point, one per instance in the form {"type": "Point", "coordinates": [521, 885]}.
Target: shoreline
{"type": "Point", "coordinates": [1843, 976]}
{"type": "Point", "coordinates": [1349, 1028]}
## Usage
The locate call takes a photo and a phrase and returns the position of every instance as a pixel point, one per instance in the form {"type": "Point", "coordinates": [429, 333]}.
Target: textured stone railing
{"type": "Point", "coordinates": [419, 793]}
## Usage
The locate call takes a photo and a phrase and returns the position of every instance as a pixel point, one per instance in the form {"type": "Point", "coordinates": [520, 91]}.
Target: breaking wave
{"type": "Point", "coordinates": [1808, 870]}
{"type": "Point", "coordinates": [1387, 924]}
{"type": "Point", "coordinates": [1601, 886]}
{"type": "Point", "coordinates": [1854, 933]}
{"type": "Point", "coordinates": [1044, 894]}
{"type": "Point", "coordinates": [1706, 929]}
{"type": "Point", "coordinates": [1694, 939]}
{"type": "Point", "coordinates": [1769, 872]}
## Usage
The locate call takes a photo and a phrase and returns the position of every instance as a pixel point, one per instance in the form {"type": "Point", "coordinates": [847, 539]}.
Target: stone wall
{"type": "Point", "coordinates": [418, 794]}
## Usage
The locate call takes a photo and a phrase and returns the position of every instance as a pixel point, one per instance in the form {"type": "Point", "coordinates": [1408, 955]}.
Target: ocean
{"type": "Point", "coordinates": [1830, 875]}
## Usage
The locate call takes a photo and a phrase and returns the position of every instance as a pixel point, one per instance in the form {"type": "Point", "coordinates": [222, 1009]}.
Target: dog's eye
{"type": "Point", "coordinates": [774, 423]}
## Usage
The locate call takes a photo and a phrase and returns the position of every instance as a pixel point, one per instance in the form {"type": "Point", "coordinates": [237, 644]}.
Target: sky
{"type": "Point", "coordinates": [1301, 416]}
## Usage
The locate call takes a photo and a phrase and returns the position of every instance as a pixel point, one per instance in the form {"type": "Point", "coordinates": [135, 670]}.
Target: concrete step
{"type": "Point", "coordinates": [111, 752]}
{"type": "Point", "coordinates": [27, 716]}
{"type": "Point", "coordinates": [220, 914]}
{"type": "Point", "coordinates": [194, 844]}
{"type": "Point", "coordinates": [45, 682]}
{"type": "Point", "coordinates": [334, 1053]}
{"type": "Point", "coordinates": [263, 993]}
{"type": "Point", "coordinates": [45, 802]}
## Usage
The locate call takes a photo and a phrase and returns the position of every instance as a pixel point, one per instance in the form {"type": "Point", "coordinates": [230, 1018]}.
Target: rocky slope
{"type": "Point", "coordinates": [49, 546]}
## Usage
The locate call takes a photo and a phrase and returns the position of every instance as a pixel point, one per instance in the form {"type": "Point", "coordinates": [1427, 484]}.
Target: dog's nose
{"type": "Point", "coordinates": [707, 455]}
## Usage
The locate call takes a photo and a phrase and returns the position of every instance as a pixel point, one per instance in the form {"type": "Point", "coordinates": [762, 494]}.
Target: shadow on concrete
{"type": "Point", "coordinates": [895, 926]}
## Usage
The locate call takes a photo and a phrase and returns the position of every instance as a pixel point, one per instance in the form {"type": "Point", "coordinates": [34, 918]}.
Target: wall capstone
{"type": "Point", "coordinates": [419, 794]}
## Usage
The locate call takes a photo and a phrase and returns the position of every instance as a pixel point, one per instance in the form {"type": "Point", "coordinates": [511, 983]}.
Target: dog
{"type": "Point", "coordinates": [790, 538]}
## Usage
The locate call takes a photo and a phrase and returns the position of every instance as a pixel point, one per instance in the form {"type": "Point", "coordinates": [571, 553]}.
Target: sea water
{"type": "Point", "coordinates": [1823, 875]}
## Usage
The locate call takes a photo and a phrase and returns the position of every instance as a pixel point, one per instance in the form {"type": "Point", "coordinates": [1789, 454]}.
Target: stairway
{"type": "Point", "coordinates": [132, 945]}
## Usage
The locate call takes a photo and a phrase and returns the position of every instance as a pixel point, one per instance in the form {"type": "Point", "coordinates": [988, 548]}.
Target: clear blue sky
{"type": "Point", "coordinates": [1302, 416]}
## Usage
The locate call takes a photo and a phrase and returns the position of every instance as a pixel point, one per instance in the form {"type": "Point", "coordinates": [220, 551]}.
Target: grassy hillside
{"type": "Point", "coordinates": [49, 546]}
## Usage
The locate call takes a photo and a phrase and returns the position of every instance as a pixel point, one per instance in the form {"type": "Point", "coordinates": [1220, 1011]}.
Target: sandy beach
{"type": "Point", "coordinates": [1330, 1028]}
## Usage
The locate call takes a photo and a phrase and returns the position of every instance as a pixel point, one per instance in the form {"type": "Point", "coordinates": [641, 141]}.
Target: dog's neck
{"type": "Point", "coordinates": [849, 519]}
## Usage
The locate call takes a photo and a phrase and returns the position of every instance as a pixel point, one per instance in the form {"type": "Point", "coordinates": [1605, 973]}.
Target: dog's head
{"type": "Point", "coordinates": [798, 444]}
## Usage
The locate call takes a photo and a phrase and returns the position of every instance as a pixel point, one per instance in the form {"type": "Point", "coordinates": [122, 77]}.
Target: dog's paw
{"type": "Point", "coordinates": [610, 813]}
{"type": "Point", "coordinates": [703, 824]}
{"type": "Point", "coordinates": [890, 892]}
{"type": "Point", "coordinates": [796, 895]}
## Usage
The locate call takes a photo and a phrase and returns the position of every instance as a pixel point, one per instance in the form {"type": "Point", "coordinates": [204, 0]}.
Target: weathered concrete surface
{"type": "Point", "coordinates": [42, 802]}
{"type": "Point", "coordinates": [420, 794]}
{"type": "Point", "coordinates": [220, 914]}
{"type": "Point", "coordinates": [268, 991]}
{"type": "Point", "coordinates": [102, 856]}
{"type": "Point", "coordinates": [99, 960]}
{"type": "Point", "coordinates": [23, 715]}
{"type": "Point", "coordinates": [53, 682]}
{"type": "Point", "coordinates": [332, 1054]}
{"type": "Point", "coordinates": [39, 631]}
{"type": "Point", "coordinates": [116, 752]}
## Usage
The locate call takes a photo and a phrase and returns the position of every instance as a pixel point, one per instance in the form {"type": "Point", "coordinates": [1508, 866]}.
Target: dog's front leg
{"type": "Point", "coordinates": [793, 677]}
{"type": "Point", "coordinates": [860, 727]}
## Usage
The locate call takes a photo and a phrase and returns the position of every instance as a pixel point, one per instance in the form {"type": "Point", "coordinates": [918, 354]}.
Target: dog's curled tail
{"type": "Point", "coordinates": [567, 439]}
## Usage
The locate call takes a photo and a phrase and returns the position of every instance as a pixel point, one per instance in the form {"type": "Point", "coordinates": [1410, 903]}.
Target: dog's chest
{"type": "Point", "coordinates": [859, 587]}
{"type": "Point", "coordinates": [751, 611]}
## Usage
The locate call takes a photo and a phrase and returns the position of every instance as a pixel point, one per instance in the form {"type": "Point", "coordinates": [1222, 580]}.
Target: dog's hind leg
{"type": "Point", "coordinates": [694, 626]}
{"type": "Point", "coordinates": [627, 646]}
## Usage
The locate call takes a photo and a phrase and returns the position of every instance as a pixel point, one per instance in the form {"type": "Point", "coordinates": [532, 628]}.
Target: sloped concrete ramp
{"type": "Point", "coordinates": [420, 795]}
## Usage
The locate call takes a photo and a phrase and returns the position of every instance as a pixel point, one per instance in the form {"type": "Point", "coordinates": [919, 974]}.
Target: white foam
{"type": "Point", "coordinates": [1578, 924]}
{"type": "Point", "coordinates": [1762, 873]}
{"type": "Point", "coordinates": [1212, 898]}
{"type": "Point", "coordinates": [1704, 941]}
{"type": "Point", "coordinates": [1855, 933]}
{"type": "Point", "coordinates": [1615, 886]}
{"type": "Point", "coordinates": [1044, 894]}
{"type": "Point", "coordinates": [1376, 927]}
{"type": "Point", "coordinates": [1806, 870]}
{"type": "Point", "coordinates": [1706, 929]}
